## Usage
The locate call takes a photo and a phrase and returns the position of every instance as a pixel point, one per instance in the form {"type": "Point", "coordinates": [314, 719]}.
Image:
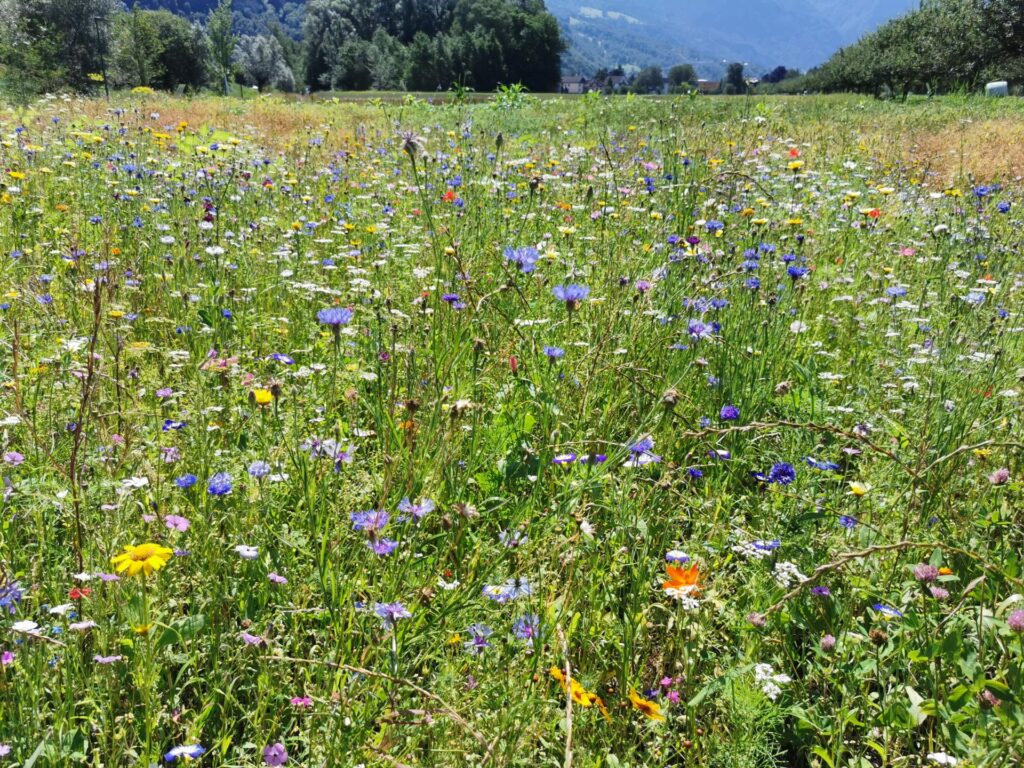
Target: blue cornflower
{"type": "Point", "coordinates": [382, 547]}
{"type": "Point", "coordinates": [752, 283]}
{"type": "Point", "coordinates": [191, 751]}
{"type": "Point", "coordinates": [782, 473]}
{"type": "Point", "coordinates": [641, 452]}
{"type": "Point", "coordinates": [334, 316]}
{"type": "Point", "coordinates": [280, 357]}
{"type": "Point", "coordinates": [390, 613]}
{"type": "Point", "coordinates": [847, 521]}
{"type": "Point", "coordinates": [887, 610]}
{"type": "Point", "coordinates": [186, 481]}
{"type": "Point", "coordinates": [729, 413]}
{"type": "Point", "coordinates": [821, 591]}
{"type": "Point", "coordinates": [10, 595]}
{"type": "Point", "coordinates": [478, 642]}
{"type": "Point", "coordinates": [371, 520]}
{"type": "Point", "coordinates": [418, 510]}
{"type": "Point", "coordinates": [259, 469]}
{"type": "Point", "coordinates": [795, 271]}
{"type": "Point", "coordinates": [825, 466]}
{"type": "Point", "coordinates": [171, 424]}
{"type": "Point", "coordinates": [554, 353]}
{"type": "Point", "coordinates": [526, 628]}
{"type": "Point", "coordinates": [219, 484]}
{"type": "Point", "coordinates": [524, 258]}
{"type": "Point", "coordinates": [698, 329]}
{"type": "Point", "coordinates": [571, 294]}
{"type": "Point", "coordinates": [896, 291]}
{"type": "Point", "coordinates": [1004, 207]}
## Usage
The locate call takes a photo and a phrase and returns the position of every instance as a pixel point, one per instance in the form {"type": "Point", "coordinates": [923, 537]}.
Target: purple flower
{"type": "Point", "coordinates": [276, 578]}
{"type": "Point", "coordinates": [571, 294]}
{"type": "Point", "coordinates": [418, 510]}
{"type": "Point", "coordinates": [13, 458]}
{"type": "Point", "coordinates": [698, 329]}
{"type": "Point", "coordinates": [729, 413]}
{"type": "Point", "coordinates": [999, 477]}
{"type": "Point", "coordinates": [164, 392]}
{"type": "Point", "coordinates": [106, 659]}
{"type": "Point", "coordinates": [524, 258]}
{"type": "Point", "coordinates": [821, 591]}
{"type": "Point", "coordinates": [275, 754]}
{"type": "Point", "coordinates": [828, 642]}
{"type": "Point", "coordinates": [641, 452]}
{"type": "Point", "coordinates": [939, 593]}
{"type": "Point", "coordinates": [526, 628]}
{"type": "Point", "coordinates": [848, 522]}
{"type": "Point", "coordinates": [554, 353]}
{"type": "Point", "coordinates": [382, 547]}
{"type": "Point", "coordinates": [926, 573]}
{"type": "Point", "coordinates": [7, 657]}
{"type": "Point", "coordinates": [335, 317]}
{"type": "Point", "coordinates": [371, 520]}
{"type": "Point", "coordinates": [250, 639]}
{"type": "Point", "coordinates": [1015, 621]}
{"type": "Point", "coordinates": [259, 469]}
{"type": "Point", "coordinates": [782, 473]}
{"type": "Point", "coordinates": [478, 642]}
{"type": "Point", "coordinates": [390, 613]}
{"type": "Point", "coordinates": [177, 522]}
{"type": "Point", "coordinates": [219, 484]}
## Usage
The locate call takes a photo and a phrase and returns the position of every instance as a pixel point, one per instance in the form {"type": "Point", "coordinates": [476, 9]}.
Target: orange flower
{"type": "Point", "coordinates": [650, 709]}
{"type": "Point", "coordinates": [682, 580]}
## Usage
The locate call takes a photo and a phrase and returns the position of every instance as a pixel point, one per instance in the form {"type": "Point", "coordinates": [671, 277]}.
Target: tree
{"type": "Point", "coordinates": [186, 51]}
{"type": "Point", "coordinates": [261, 62]}
{"type": "Point", "coordinates": [777, 75]}
{"type": "Point", "coordinates": [735, 83]}
{"type": "Point", "coordinates": [137, 49]}
{"type": "Point", "coordinates": [55, 44]}
{"type": "Point", "coordinates": [682, 75]}
{"type": "Point", "coordinates": [648, 80]}
{"type": "Point", "coordinates": [222, 40]}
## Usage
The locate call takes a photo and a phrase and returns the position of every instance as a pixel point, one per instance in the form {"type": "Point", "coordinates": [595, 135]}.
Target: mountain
{"type": "Point", "coordinates": [762, 33]}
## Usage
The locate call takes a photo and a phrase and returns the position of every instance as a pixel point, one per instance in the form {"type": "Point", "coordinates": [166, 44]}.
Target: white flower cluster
{"type": "Point", "coordinates": [941, 758]}
{"type": "Point", "coordinates": [770, 681]}
{"type": "Point", "coordinates": [787, 574]}
{"type": "Point", "coordinates": [749, 551]}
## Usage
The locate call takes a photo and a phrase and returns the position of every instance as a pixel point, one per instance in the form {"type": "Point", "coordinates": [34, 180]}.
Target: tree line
{"type": "Point", "coordinates": [943, 46]}
{"type": "Point", "coordinates": [53, 45]}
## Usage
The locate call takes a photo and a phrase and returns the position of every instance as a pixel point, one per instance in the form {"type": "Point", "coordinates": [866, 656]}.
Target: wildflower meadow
{"type": "Point", "coordinates": [524, 432]}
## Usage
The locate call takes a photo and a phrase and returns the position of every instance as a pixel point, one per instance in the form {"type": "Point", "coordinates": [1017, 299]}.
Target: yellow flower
{"type": "Point", "coordinates": [859, 489]}
{"type": "Point", "coordinates": [142, 629]}
{"type": "Point", "coordinates": [650, 709]}
{"type": "Point", "coordinates": [142, 558]}
{"type": "Point", "coordinates": [262, 396]}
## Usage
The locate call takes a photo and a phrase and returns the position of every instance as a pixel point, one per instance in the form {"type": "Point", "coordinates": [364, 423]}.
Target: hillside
{"type": "Point", "coordinates": [608, 33]}
{"type": "Point", "coordinates": [797, 33]}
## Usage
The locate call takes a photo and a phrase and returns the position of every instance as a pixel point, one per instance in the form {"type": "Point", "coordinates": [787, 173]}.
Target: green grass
{"type": "Point", "coordinates": [177, 245]}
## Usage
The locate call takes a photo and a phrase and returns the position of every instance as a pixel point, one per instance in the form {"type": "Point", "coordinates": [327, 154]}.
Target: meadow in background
{"type": "Point", "coordinates": [594, 432]}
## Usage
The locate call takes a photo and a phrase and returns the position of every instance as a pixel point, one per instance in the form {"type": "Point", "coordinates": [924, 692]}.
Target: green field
{"type": "Point", "coordinates": [524, 432]}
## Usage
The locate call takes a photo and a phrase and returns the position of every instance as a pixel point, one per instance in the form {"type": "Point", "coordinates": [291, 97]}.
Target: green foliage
{"type": "Point", "coordinates": [222, 40]}
{"type": "Point", "coordinates": [648, 80]}
{"type": "Point", "coordinates": [945, 45]}
{"type": "Point", "coordinates": [735, 83]}
{"type": "Point", "coordinates": [481, 43]}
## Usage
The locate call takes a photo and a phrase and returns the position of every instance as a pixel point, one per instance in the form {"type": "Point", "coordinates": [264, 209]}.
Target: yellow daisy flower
{"type": "Point", "coordinates": [141, 558]}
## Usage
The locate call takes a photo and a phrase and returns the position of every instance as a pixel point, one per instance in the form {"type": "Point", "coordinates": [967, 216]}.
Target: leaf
{"type": "Point", "coordinates": [183, 629]}
{"type": "Point", "coordinates": [820, 752]}
{"type": "Point", "coordinates": [35, 755]}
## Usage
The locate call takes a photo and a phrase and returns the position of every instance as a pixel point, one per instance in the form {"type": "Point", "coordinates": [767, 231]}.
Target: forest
{"type": "Point", "coordinates": [342, 44]}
